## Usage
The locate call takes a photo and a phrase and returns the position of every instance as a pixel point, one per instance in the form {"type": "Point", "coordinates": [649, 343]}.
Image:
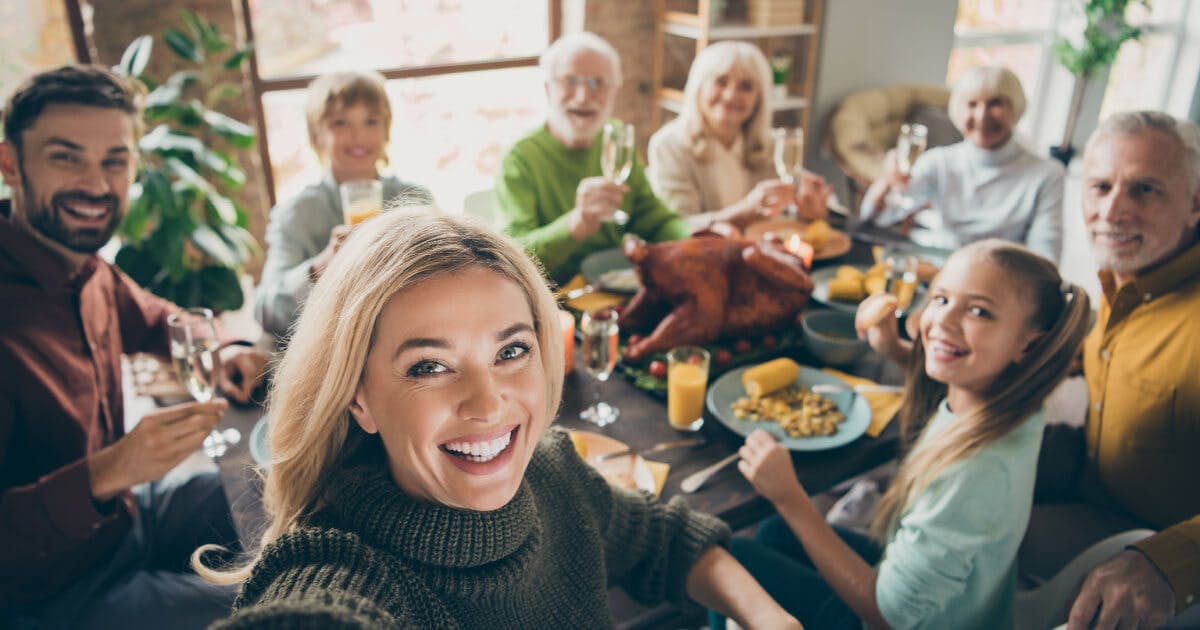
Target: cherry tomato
{"type": "Point", "coordinates": [742, 346]}
{"type": "Point", "coordinates": [658, 369]}
{"type": "Point", "coordinates": [769, 341]}
{"type": "Point", "coordinates": [722, 357]}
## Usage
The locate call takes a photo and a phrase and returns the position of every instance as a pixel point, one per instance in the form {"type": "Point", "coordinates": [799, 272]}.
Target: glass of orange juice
{"type": "Point", "coordinates": [687, 379]}
{"type": "Point", "coordinates": [361, 200]}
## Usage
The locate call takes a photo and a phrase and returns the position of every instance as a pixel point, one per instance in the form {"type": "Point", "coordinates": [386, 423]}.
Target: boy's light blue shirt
{"type": "Point", "coordinates": [951, 560]}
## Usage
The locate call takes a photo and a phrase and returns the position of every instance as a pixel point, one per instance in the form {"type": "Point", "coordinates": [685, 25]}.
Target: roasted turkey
{"type": "Point", "coordinates": [710, 286]}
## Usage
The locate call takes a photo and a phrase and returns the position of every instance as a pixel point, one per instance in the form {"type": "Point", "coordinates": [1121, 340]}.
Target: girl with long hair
{"type": "Point", "coordinates": [998, 334]}
{"type": "Point", "coordinates": [414, 480]}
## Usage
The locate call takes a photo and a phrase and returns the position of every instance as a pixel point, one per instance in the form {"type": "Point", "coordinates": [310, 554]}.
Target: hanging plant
{"type": "Point", "coordinates": [1088, 41]}
{"type": "Point", "coordinates": [184, 237]}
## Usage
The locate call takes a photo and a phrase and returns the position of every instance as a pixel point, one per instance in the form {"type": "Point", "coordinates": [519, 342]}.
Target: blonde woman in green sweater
{"type": "Point", "coordinates": [413, 482]}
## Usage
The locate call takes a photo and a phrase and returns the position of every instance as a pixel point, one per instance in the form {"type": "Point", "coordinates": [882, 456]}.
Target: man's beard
{"type": "Point", "coordinates": [49, 220]}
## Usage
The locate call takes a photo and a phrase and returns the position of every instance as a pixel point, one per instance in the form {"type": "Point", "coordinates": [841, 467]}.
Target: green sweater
{"type": "Point", "coordinates": [536, 189]}
{"type": "Point", "coordinates": [376, 558]}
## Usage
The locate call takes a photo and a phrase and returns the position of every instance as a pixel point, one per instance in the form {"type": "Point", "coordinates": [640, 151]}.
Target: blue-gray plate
{"type": "Point", "coordinates": [820, 294]}
{"type": "Point", "coordinates": [259, 449]}
{"type": "Point", "coordinates": [597, 264]}
{"type": "Point", "coordinates": [727, 389]}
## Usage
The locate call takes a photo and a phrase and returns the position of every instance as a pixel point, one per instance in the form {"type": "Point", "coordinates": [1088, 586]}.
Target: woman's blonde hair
{"type": "Point", "coordinates": [985, 81]}
{"type": "Point", "coordinates": [333, 92]}
{"type": "Point", "coordinates": [756, 131]}
{"type": "Point", "coordinates": [1060, 310]}
{"type": "Point", "coordinates": [312, 434]}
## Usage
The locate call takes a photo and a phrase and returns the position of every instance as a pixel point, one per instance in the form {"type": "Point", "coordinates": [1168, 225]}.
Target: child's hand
{"type": "Point", "coordinates": [876, 323]}
{"type": "Point", "coordinates": [767, 465]}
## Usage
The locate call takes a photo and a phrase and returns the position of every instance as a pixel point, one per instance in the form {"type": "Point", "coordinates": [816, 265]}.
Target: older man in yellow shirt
{"type": "Point", "coordinates": [1137, 462]}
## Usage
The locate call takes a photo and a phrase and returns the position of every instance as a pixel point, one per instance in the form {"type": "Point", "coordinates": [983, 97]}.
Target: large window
{"type": "Point", "coordinates": [1158, 71]}
{"type": "Point", "coordinates": [462, 79]}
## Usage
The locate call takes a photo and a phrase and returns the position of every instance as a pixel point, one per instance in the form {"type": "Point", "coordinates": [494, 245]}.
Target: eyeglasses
{"type": "Point", "coordinates": [573, 81]}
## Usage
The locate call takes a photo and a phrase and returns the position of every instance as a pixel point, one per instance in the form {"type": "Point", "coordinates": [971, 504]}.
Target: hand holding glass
{"type": "Point", "coordinates": [909, 146]}
{"type": "Point", "coordinates": [194, 351]}
{"type": "Point", "coordinates": [361, 200]}
{"type": "Point", "coordinates": [599, 332]}
{"type": "Point", "coordinates": [616, 158]}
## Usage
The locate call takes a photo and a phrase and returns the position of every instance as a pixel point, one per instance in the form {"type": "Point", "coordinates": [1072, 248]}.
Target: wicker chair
{"type": "Point", "coordinates": [865, 125]}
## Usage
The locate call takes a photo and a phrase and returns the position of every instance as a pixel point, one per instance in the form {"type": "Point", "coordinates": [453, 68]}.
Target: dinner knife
{"type": "Point", "coordinates": [692, 482]}
{"type": "Point", "coordinates": [657, 448]}
{"type": "Point", "coordinates": [828, 388]}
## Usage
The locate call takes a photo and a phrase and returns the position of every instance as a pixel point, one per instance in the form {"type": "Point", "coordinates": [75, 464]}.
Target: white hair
{"type": "Point", "coordinates": [985, 80]}
{"type": "Point", "coordinates": [1136, 122]}
{"type": "Point", "coordinates": [713, 61]}
{"type": "Point", "coordinates": [568, 46]}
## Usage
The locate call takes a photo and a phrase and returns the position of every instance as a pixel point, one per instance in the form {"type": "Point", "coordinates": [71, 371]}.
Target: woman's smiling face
{"type": "Point", "coordinates": [455, 387]}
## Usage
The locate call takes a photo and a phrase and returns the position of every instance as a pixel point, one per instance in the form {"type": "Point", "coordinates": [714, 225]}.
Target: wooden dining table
{"type": "Point", "coordinates": [642, 423]}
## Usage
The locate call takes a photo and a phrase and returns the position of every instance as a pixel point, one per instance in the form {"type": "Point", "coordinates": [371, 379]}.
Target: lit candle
{"type": "Point", "coordinates": [567, 321]}
{"type": "Point", "coordinates": [799, 247]}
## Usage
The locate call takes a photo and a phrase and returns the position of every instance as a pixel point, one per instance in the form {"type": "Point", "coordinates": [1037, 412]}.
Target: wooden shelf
{"type": "Point", "coordinates": [688, 25]}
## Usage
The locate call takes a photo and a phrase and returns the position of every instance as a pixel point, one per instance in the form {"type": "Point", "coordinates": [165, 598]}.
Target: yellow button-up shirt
{"type": "Point", "coordinates": [1142, 364]}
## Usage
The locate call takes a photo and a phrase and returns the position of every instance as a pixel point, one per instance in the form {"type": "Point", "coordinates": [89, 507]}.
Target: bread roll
{"type": "Point", "coordinates": [871, 312]}
{"type": "Point", "coordinates": [849, 273]}
{"type": "Point", "coordinates": [846, 289]}
{"type": "Point", "coordinates": [875, 284]}
{"type": "Point", "coordinates": [765, 378]}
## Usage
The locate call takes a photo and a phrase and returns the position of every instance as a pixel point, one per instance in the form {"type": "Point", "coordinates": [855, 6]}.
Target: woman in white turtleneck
{"type": "Point", "coordinates": [988, 185]}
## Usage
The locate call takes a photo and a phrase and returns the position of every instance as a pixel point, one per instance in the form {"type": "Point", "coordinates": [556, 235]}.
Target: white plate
{"type": "Point", "coordinates": [728, 388]}
{"type": "Point", "coordinates": [820, 294]}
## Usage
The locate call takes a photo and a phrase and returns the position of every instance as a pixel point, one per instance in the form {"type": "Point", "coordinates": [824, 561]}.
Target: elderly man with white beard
{"type": "Point", "coordinates": [550, 188]}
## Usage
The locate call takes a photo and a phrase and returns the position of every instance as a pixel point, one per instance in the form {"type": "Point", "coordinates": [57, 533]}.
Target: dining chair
{"type": "Point", "coordinates": [482, 205]}
{"type": "Point", "coordinates": [1046, 606]}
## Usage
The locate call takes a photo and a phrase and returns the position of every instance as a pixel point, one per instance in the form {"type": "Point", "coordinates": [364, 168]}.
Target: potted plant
{"type": "Point", "coordinates": [184, 237]}
{"type": "Point", "coordinates": [1088, 42]}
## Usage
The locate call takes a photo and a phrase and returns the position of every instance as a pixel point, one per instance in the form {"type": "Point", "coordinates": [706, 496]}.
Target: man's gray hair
{"type": "Point", "coordinates": [567, 45]}
{"type": "Point", "coordinates": [1135, 122]}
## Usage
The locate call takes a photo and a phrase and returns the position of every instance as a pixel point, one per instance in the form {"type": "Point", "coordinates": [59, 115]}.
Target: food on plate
{"type": "Point", "coordinates": [872, 312]}
{"type": "Point", "coordinates": [658, 369]}
{"type": "Point", "coordinates": [818, 233]}
{"type": "Point", "coordinates": [700, 289]}
{"type": "Point", "coordinates": [742, 346]}
{"type": "Point", "coordinates": [799, 412]}
{"type": "Point", "coordinates": [619, 279]}
{"type": "Point", "coordinates": [849, 284]}
{"type": "Point", "coordinates": [765, 378]}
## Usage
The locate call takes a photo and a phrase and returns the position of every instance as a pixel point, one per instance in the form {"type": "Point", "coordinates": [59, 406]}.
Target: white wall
{"type": "Point", "coordinates": [871, 43]}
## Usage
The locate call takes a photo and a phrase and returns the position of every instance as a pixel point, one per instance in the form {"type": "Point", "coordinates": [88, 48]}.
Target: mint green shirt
{"type": "Point", "coordinates": [536, 189]}
{"type": "Point", "coordinates": [951, 560]}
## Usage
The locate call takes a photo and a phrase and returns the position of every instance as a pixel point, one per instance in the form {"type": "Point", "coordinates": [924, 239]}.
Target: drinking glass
{"type": "Point", "coordinates": [194, 349]}
{"type": "Point", "coordinates": [789, 157]}
{"type": "Point", "coordinates": [901, 278]}
{"type": "Point", "coordinates": [616, 158]}
{"type": "Point", "coordinates": [361, 200]}
{"type": "Point", "coordinates": [687, 378]}
{"type": "Point", "coordinates": [910, 145]}
{"type": "Point", "coordinates": [599, 332]}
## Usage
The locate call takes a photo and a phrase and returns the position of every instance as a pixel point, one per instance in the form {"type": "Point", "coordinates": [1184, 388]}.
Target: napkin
{"type": "Point", "coordinates": [884, 405]}
{"type": "Point", "coordinates": [659, 470]}
{"type": "Point", "coordinates": [591, 301]}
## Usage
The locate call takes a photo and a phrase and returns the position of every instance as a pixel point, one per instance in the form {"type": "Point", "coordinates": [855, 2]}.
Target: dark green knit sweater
{"type": "Point", "coordinates": [376, 558]}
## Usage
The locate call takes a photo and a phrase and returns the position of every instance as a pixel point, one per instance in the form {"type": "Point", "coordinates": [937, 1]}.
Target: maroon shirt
{"type": "Point", "coordinates": [61, 340]}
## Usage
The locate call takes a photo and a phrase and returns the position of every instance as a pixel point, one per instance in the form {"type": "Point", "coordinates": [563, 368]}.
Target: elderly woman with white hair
{"type": "Point", "coordinates": [987, 185]}
{"type": "Point", "coordinates": [714, 162]}
{"type": "Point", "coordinates": [415, 480]}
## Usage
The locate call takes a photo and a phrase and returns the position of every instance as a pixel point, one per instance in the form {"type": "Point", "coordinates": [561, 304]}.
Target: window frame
{"type": "Point", "coordinates": [260, 86]}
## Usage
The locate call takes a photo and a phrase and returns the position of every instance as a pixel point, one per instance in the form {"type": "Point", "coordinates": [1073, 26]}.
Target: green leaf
{"type": "Point", "coordinates": [194, 24]}
{"type": "Point", "coordinates": [133, 226]}
{"type": "Point", "coordinates": [237, 133]}
{"type": "Point", "coordinates": [162, 138]}
{"type": "Point", "coordinates": [221, 288]}
{"type": "Point", "coordinates": [214, 246]}
{"type": "Point", "coordinates": [183, 45]}
{"type": "Point", "coordinates": [157, 189]}
{"type": "Point", "coordinates": [243, 240]}
{"type": "Point", "coordinates": [223, 206]}
{"type": "Point", "coordinates": [234, 61]}
{"type": "Point", "coordinates": [138, 263]}
{"type": "Point", "coordinates": [136, 56]}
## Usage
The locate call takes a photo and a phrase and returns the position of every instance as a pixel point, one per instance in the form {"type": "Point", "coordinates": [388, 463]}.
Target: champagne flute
{"type": "Point", "coordinates": [599, 332]}
{"type": "Point", "coordinates": [789, 157]}
{"type": "Point", "coordinates": [914, 137]}
{"type": "Point", "coordinates": [616, 158]}
{"type": "Point", "coordinates": [901, 278]}
{"type": "Point", "coordinates": [194, 350]}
